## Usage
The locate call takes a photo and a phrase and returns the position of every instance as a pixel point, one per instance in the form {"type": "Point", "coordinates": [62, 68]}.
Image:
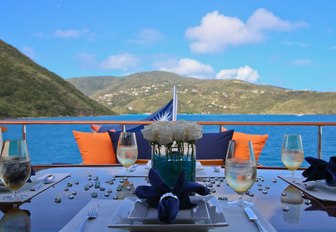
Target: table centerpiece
{"type": "Point", "coordinates": [173, 148]}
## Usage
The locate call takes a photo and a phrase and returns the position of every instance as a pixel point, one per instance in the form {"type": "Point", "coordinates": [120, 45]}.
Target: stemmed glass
{"type": "Point", "coordinates": [240, 170]}
{"type": "Point", "coordinates": [127, 150]}
{"type": "Point", "coordinates": [14, 167]}
{"type": "Point", "coordinates": [292, 152]}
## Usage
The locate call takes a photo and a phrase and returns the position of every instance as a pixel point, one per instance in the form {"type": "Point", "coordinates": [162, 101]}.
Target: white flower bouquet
{"type": "Point", "coordinates": [173, 148]}
{"type": "Point", "coordinates": [167, 132]}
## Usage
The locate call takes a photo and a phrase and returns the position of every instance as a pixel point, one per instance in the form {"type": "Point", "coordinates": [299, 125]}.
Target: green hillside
{"type": "Point", "coordinates": [29, 90]}
{"type": "Point", "coordinates": [147, 91]}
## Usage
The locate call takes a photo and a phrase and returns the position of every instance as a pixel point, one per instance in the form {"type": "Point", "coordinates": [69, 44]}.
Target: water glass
{"type": "Point", "coordinates": [14, 167]}
{"type": "Point", "coordinates": [127, 149]}
{"type": "Point", "coordinates": [240, 170]}
{"type": "Point", "coordinates": [292, 152]}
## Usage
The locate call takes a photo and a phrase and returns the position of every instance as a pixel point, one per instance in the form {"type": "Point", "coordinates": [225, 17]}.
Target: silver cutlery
{"type": "Point", "coordinates": [46, 180]}
{"type": "Point", "coordinates": [92, 214]}
{"type": "Point", "coordinates": [251, 215]}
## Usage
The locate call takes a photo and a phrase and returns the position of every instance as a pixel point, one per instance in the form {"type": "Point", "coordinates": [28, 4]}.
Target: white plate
{"type": "Point", "coordinates": [217, 218]}
{"type": "Point", "coordinates": [142, 212]}
{"type": "Point", "coordinates": [324, 184]}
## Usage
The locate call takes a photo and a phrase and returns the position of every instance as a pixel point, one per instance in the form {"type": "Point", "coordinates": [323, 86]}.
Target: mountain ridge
{"type": "Point", "coordinates": [147, 91]}
{"type": "Point", "coordinates": [30, 90]}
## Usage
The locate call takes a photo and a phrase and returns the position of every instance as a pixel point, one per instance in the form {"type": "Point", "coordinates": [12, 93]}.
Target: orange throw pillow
{"type": "Point", "coordinates": [258, 142]}
{"type": "Point", "coordinates": [95, 148]}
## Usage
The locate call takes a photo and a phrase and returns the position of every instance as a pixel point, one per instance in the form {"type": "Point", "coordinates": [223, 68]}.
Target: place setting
{"type": "Point", "coordinates": [184, 205]}
{"type": "Point", "coordinates": [18, 180]}
{"type": "Point", "coordinates": [318, 180]}
{"type": "Point", "coordinates": [240, 175]}
{"type": "Point", "coordinates": [188, 205]}
{"type": "Point", "coordinates": [157, 206]}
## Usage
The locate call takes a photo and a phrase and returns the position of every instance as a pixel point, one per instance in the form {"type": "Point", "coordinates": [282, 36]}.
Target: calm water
{"type": "Point", "coordinates": [56, 144]}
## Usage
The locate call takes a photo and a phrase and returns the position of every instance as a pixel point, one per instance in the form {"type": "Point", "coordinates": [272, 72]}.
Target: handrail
{"type": "Point", "coordinates": [252, 123]}
{"type": "Point", "coordinates": [209, 123]}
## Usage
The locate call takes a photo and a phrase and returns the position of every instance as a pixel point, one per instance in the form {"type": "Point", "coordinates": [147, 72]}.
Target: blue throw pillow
{"type": "Point", "coordinates": [144, 148]}
{"type": "Point", "coordinates": [213, 145]}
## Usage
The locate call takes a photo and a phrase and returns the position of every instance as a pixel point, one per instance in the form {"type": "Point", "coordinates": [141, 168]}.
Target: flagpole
{"type": "Point", "coordinates": [175, 100]}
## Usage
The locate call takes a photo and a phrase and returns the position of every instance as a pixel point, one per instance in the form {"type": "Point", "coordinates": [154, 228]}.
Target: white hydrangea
{"type": "Point", "coordinates": [166, 132]}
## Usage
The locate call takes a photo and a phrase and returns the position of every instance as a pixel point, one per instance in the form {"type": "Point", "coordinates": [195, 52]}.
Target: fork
{"type": "Point", "coordinates": [92, 214]}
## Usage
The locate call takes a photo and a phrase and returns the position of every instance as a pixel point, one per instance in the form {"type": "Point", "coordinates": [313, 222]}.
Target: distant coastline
{"type": "Point", "coordinates": [55, 143]}
{"type": "Point", "coordinates": [148, 91]}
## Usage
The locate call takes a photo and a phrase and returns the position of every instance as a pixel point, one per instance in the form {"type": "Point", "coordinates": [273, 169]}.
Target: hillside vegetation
{"type": "Point", "coordinates": [145, 92]}
{"type": "Point", "coordinates": [29, 90]}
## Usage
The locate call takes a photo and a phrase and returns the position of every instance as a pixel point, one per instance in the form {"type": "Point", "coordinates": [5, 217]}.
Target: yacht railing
{"type": "Point", "coordinates": [220, 125]}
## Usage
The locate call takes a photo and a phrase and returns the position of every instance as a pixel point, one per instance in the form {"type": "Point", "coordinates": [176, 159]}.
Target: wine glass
{"type": "Point", "coordinates": [240, 170]}
{"type": "Point", "coordinates": [14, 167]}
{"type": "Point", "coordinates": [127, 150]}
{"type": "Point", "coordinates": [292, 152]}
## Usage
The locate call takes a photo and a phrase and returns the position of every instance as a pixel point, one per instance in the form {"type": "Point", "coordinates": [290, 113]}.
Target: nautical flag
{"type": "Point", "coordinates": [166, 113]}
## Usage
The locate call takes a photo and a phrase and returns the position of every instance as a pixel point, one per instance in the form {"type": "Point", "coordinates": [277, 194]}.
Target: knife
{"type": "Point", "coordinates": [251, 215]}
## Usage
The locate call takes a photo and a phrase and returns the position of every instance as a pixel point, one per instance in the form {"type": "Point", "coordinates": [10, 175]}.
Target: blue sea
{"type": "Point", "coordinates": [55, 143]}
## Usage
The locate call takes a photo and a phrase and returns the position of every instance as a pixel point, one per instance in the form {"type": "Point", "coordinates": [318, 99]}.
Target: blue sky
{"type": "Point", "coordinates": [285, 43]}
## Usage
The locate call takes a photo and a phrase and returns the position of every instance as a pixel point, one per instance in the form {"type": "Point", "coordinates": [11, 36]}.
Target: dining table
{"type": "Point", "coordinates": [279, 203]}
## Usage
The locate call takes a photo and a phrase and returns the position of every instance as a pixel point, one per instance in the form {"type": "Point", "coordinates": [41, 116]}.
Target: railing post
{"type": "Point", "coordinates": [319, 142]}
{"type": "Point", "coordinates": [24, 132]}
{"type": "Point", "coordinates": [124, 128]}
{"type": "Point", "coordinates": [1, 140]}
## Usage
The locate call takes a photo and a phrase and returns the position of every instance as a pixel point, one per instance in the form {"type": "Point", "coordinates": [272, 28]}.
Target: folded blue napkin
{"type": "Point", "coordinates": [169, 201]}
{"type": "Point", "coordinates": [321, 169]}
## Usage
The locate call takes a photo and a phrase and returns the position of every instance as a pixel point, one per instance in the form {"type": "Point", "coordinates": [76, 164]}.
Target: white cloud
{"type": "Point", "coordinates": [216, 31]}
{"type": "Point", "coordinates": [302, 62]}
{"type": "Point", "coordinates": [294, 43]}
{"type": "Point", "coordinates": [245, 73]}
{"type": "Point", "coordinates": [186, 67]}
{"type": "Point", "coordinates": [29, 51]}
{"type": "Point", "coordinates": [263, 19]}
{"type": "Point", "coordinates": [73, 34]}
{"type": "Point", "coordinates": [147, 36]}
{"type": "Point", "coordinates": [122, 61]}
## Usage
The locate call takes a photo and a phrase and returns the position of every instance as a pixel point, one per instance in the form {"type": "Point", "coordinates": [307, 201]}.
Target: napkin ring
{"type": "Point", "coordinates": [169, 194]}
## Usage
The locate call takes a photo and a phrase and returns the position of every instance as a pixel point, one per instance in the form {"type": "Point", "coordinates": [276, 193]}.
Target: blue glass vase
{"type": "Point", "coordinates": [169, 160]}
